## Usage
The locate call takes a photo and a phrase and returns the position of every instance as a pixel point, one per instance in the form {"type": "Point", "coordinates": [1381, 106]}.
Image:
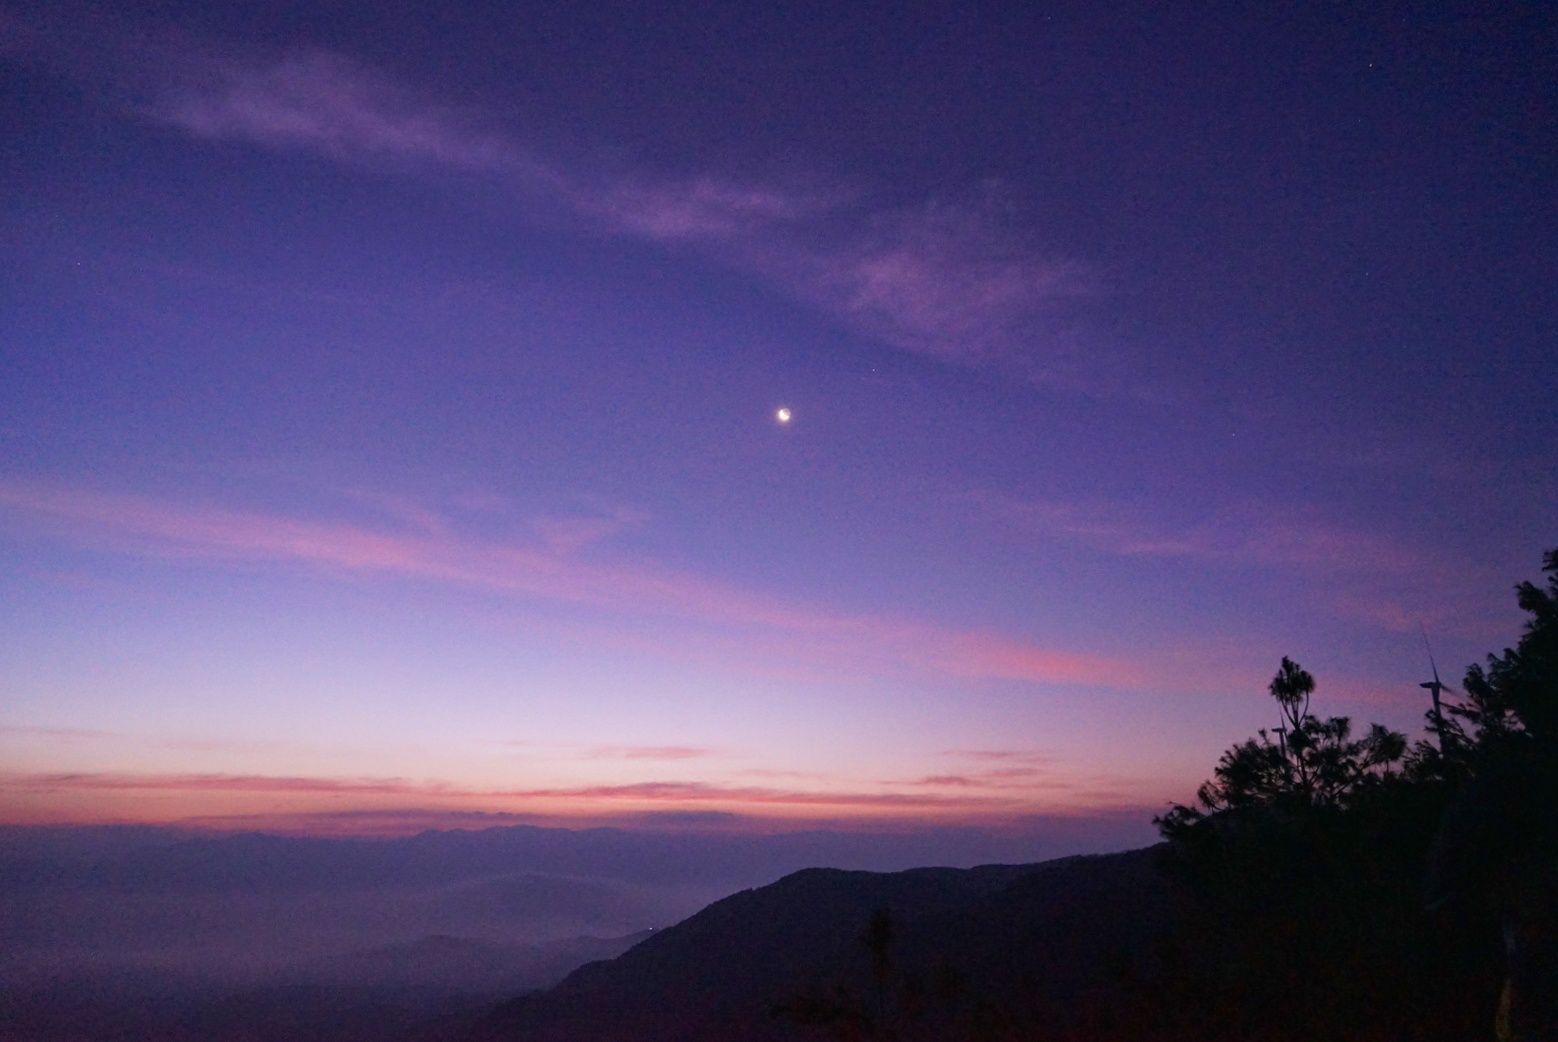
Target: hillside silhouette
{"type": "Point", "coordinates": [1328, 882]}
{"type": "Point", "coordinates": [990, 945]}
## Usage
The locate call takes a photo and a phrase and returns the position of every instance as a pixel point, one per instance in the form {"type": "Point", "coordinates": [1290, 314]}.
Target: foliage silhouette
{"type": "Point", "coordinates": [1313, 763]}
{"type": "Point", "coordinates": [1304, 862]}
{"type": "Point", "coordinates": [1496, 854]}
{"type": "Point", "coordinates": [1288, 904]}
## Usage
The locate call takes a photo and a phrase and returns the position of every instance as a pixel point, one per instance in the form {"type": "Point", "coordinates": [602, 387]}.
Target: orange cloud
{"type": "Point", "coordinates": [648, 791]}
{"type": "Point", "coordinates": [372, 805]}
{"type": "Point", "coordinates": [83, 797]}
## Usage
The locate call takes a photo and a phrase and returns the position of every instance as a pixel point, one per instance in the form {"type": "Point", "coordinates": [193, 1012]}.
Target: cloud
{"type": "Point", "coordinates": [322, 102]}
{"type": "Point", "coordinates": [702, 209]}
{"type": "Point", "coordinates": [997, 754]}
{"type": "Point", "coordinates": [991, 655]}
{"type": "Point", "coordinates": [1295, 535]}
{"type": "Point", "coordinates": [649, 752]}
{"type": "Point", "coordinates": [1386, 581]}
{"type": "Point", "coordinates": [1013, 772]}
{"type": "Point", "coordinates": [952, 280]}
{"type": "Point", "coordinates": [645, 792]}
{"type": "Point", "coordinates": [568, 535]}
{"type": "Point", "coordinates": [1029, 778]}
{"type": "Point", "coordinates": [376, 806]}
{"type": "Point", "coordinates": [144, 525]}
{"type": "Point", "coordinates": [959, 278]}
{"type": "Point", "coordinates": [65, 734]}
{"type": "Point", "coordinates": [92, 780]}
{"type": "Point", "coordinates": [940, 780]}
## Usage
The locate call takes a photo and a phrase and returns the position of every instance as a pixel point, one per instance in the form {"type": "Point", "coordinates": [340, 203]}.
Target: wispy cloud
{"type": "Point", "coordinates": [646, 792]}
{"type": "Point", "coordinates": [943, 780]}
{"type": "Point", "coordinates": [1029, 778]}
{"type": "Point", "coordinates": [1249, 533]}
{"type": "Point", "coordinates": [650, 752]}
{"type": "Point", "coordinates": [701, 210]}
{"type": "Point", "coordinates": [953, 279]}
{"type": "Point", "coordinates": [537, 572]}
{"type": "Point", "coordinates": [1115, 826]}
{"type": "Point", "coordinates": [322, 102]}
{"type": "Point", "coordinates": [570, 534]}
{"type": "Point", "coordinates": [960, 278]}
{"type": "Point", "coordinates": [63, 734]}
{"type": "Point", "coordinates": [1374, 577]}
{"type": "Point", "coordinates": [1000, 755]}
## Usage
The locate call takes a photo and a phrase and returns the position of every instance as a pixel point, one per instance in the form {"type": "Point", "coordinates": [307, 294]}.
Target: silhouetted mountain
{"type": "Point", "coordinates": [999, 943]}
{"type": "Point", "coordinates": [135, 933]}
{"type": "Point", "coordinates": [240, 907]}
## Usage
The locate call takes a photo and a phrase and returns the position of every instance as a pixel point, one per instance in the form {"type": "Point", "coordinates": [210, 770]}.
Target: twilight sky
{"type": "Point", "coordinates": [388, 390]}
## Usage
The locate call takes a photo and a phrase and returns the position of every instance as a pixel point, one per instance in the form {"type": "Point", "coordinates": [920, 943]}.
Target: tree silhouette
{"type": "Point", "coordinates": [1496, 851]}
{"type": "Point", "coordinates": [1517, 692]}
{"type": "Point", "coordinates": [1311, 763]}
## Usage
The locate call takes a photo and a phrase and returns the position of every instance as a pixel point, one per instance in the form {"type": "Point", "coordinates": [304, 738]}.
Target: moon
{"type": "Point", "coordinates": [782, 414]}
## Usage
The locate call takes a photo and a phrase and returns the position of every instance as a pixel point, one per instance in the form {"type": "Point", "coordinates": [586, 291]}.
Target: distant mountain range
{"type": "Point", "coordinates": [241, 906]}
{"type": "Point", "coordinates": [957, 953]}
{"type": "Point", "coordinates": [151, 935]}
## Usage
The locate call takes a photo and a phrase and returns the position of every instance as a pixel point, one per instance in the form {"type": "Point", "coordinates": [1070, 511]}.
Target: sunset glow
{"type": "Point", "coordinates": [330, 500]}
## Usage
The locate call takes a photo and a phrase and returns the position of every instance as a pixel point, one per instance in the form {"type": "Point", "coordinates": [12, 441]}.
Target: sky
{"type": "Point", "coordinates": [389, 401]}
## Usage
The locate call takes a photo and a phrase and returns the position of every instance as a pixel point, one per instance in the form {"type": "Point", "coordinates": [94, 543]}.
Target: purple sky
{"type": "Point", "coordinates": [387, 400]}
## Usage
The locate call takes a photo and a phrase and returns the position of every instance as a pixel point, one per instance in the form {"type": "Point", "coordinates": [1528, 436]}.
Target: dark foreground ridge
{"type": "Point", "coordinates": [927, 953]}
{"type": "Point", "coordinates": [1323, 885]}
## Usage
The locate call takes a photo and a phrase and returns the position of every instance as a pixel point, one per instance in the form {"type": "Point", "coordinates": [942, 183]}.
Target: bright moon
{"type": "Point", "coordinates": [783, 415]}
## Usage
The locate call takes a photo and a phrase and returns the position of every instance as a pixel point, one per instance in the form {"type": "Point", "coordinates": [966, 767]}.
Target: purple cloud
{"type": "Point", "coordinates": [704, 209]}
{"type": "Point", "coordinates": [322, 102]}
{"type": "Point", "coordinates": [1253, 533]}
{"type": "Point", "coordinates": [955, 280]}
{"type": "Point", "coordinates": [140, 524]}
{"type": "Point", "coordinates": [1371, 577]}
{"type": "Point", "coordinates": [950, 280]}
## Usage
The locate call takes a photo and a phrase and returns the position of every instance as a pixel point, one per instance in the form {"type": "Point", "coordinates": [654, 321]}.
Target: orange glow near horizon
{"type": "Point", "coordinates": [385, 806]}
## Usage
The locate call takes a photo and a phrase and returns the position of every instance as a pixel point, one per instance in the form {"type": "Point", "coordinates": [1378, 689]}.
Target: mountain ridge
{"type": "Point", "coordinates": [1024, 941]}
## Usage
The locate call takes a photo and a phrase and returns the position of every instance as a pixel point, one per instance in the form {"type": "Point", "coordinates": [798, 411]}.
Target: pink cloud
{"type": "Point", "coordinates": [1028, 778]}
{"type": "Point", "coordinates": [701, 209]}
{"type": "Point", "coordinates": [1373, 577]}
{"type": "Point", "coordinates": [957, 279]}
{"type": "Point", "coordinates": [91, 780]}
{"type": "Point", "coordinates": [990, 655]}
{"type": "Point", "coordinates": [769, 772]}
{"type": "Point", "coordinates": [997, 754]}
{"type": "Point", "coordinates": [68, 734]}
{"type": "Point", "coordinates": [567, 535]}
{"type": "Point", "coordinates": [649, 752]}
{"type": "Point", "coordinates": [1254, 533]}
{"type": "Point", "coordinates": [942, 780]}
{"type": "Point", "coordinates": [676, 792]}
{"type": "Point", "coordinates": [145, 525]}
{"type": "Point", "coordinates": [953, 279]}
{"type": "Point", "coordinates": [392, 805]}
{"type": "Point", "coordinates": [323, 102]}
{"type": "Point", "coordinates": [1013, 772]}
